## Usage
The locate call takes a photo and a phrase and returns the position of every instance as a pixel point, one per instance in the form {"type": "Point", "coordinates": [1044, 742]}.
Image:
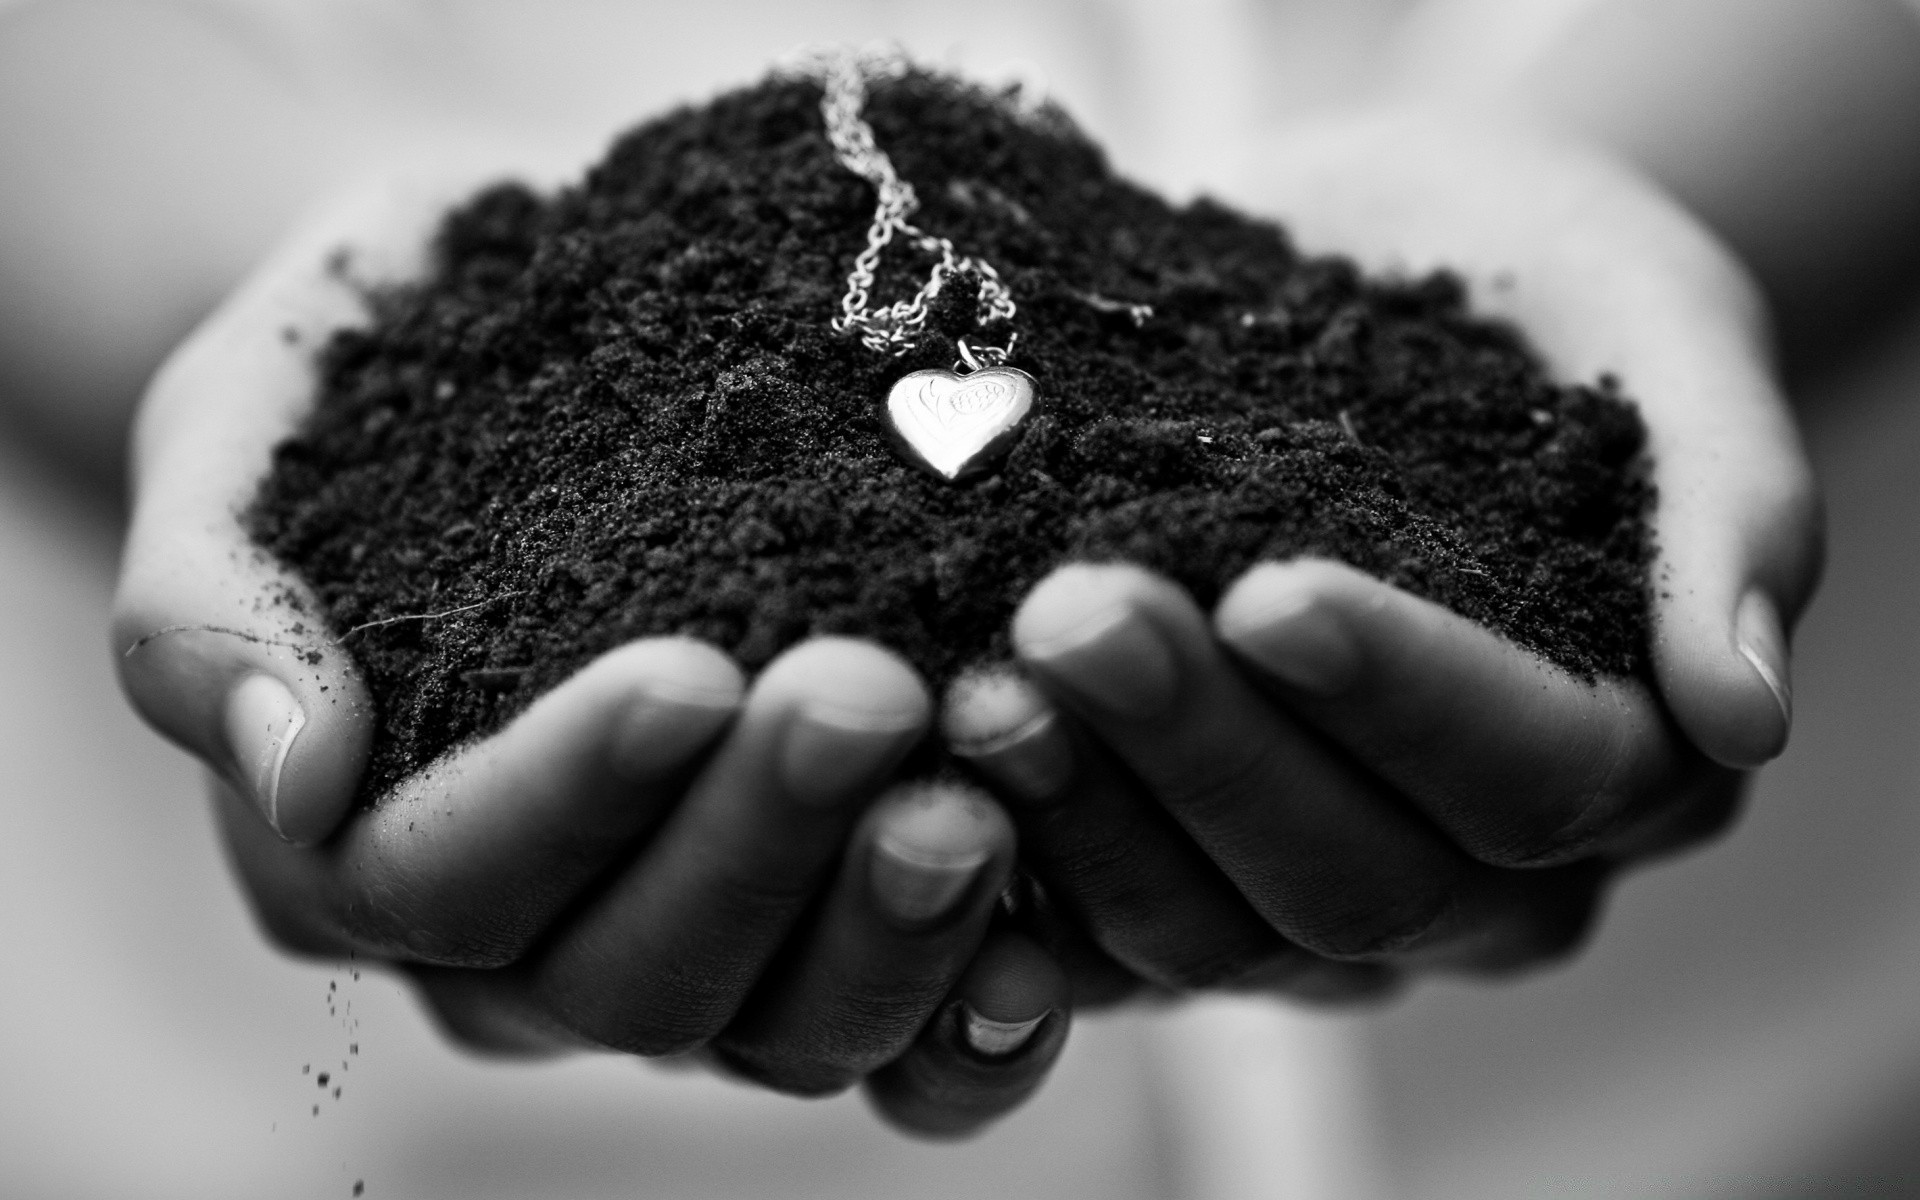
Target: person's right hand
{"type": "Point", "coordinates": [658, 856]}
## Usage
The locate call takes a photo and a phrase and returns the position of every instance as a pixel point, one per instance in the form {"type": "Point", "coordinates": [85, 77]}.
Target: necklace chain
{"type": "Point", "coordinates": [894, 328]}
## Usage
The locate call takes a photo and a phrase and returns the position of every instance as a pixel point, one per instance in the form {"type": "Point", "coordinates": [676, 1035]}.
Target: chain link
{"type": "Point", "coordinates": [893, 328]}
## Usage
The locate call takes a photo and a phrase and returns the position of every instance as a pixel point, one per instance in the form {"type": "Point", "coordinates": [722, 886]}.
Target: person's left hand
{"type": "Point", "coordinates": [1327, 782]}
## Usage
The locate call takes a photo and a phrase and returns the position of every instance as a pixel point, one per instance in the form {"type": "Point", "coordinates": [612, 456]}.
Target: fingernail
{"type": "Point", "coordinates": [1005, 727]}
{"type": "Point", "coordinates": [1757, 633]}
{"type": "Point", "coordinates": [1116, 660]}
{"type": "Point", "coordinates": [915, 885]}
{"type": "Point", "coordinates": [1299, 642]}
{"type": "Point", "coordinates": [1034, 761]}
{"type": "Point", "coordinates": [996, 1039]}
{"type": "Point", "coordinates": [663, 724]}
{"type": "Point", "coordinates": [262, 720]}
{"type": "Point", "coordinates": [830, 750]}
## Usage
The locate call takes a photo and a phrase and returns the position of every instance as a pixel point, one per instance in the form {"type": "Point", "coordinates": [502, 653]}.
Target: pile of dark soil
{"type": "Point", "coordinates": [620, 411]}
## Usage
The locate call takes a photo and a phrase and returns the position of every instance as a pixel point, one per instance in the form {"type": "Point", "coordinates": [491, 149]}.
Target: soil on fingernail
{"type": "Point", "coordinates": [619, 410]}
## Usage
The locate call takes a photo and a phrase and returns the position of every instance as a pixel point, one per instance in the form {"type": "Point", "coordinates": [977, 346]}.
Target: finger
{"type": "Point", "coordinates": [1737, 563]}
{"type": "Point", "coordinates": [987, 1051]}
{"type": "Point", "coordinates": [1737, 531]}
{"type": "Point", "coordinates": [470, 860]}
{"type": "Point", "coordinates": [1127, 870]}
{"type": "Point", "coordinates": [217, 647]}
{"type": "Point", "coordinates": [1098, 981]}
{"type": "Point", "coordinates": [662, 958]}
{"type": "Point", "coordinates": [487, 1012]}
{"type": "Point", "coordinates": [1523, 920]}
{"type": "Point", "coordinates": [903, 920]}
{"type": "Point", "coordinates": [1714, 810]}
{"type": "Point", "coordinates": [1521, 763]}
{"type": "Point", "coordinates": [1323, 852]}
{"type": "Point", "coordinates": [1095, 979]}
{"type": "Point", "coordinates": [1194, 931]}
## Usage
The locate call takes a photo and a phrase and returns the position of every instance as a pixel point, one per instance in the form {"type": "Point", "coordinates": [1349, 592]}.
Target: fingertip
{"type": "Point", "coordinates": [1727, 680]}
{"type": "Point", "coordinates": [1741, 547]}
{"type": "Point", "coordinates": [320, 757]}
{"type": "Point", "coordinates": [851, 680]}
{"type": "Point", "coordinates": [1763, 643]}
{"type": "Point", "coordinates": [1284, 617]}
{"type": "Point", "coordinates": [1095, 630]}
{"type": "Point", "coordinates": [1075, 601]}
{"type": "Point", "coordinates": [686, 665]}
{"type": "Point", "coordinates": [935, 845]}
{"type": "Point", "coordinates": [262, 721]}
{"type": "Point", "coordinates": [988, 1051]}
{"type": "Point", "coordinates": [842, 714]}
{"type": "Point", "coordinates": [280, 715]}
{"type": "Point", "coordinates": [484, 1013]}
{"type": "Point", "coordinates": [224, 654]}
{"type": "Point", "coordinates": [1008, 729]}
{"type": "Point", "coordinates": [678, 694]}
{"type": "Point", "coordinates": [1009, 990]}
{"type": "Point", "coordinates": [984, 705]}
{"type": "Point", "coordinates": [943, 819]}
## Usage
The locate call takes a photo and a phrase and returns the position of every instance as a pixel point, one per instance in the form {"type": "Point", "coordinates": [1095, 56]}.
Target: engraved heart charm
{"type": "Point", "coordinates": [959, 425]}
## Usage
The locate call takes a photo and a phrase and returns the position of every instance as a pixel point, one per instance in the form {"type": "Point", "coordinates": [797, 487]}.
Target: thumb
{"type": "Point", "coordinates": [217, 645]}
{"type": "Point", "coordinates": [260, 696]}
{"type": "Point", "coordinates": [1607, 275]}
{"type": "Point", "coordinates": [1737, 526]}
{"type": "Point", "coordinates": [1740, 550]}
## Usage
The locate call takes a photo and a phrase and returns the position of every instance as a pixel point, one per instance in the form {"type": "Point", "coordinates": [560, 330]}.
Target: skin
{"type": "Point", "coordinates": [658, 857]}
{"type": "Point", "coordinates": [1325, 784]}
{"type": "Point", "coordinates": [1320, 788]}
{"type": "Point", "coordinates": [1328, 787]}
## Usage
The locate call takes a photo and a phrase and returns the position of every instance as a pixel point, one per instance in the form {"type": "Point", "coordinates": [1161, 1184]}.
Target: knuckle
{"type": "Point", "coordinates": [459, 1028]}
{"type": "Point", "coordinates": [1206, 972]}
{"type": "Point", "coordinates": [1712, 807]}
{"type": "Point", "coordinates": [1710, 816]}
{"type": "Point", "coordinates": [472, 949]}
{"type": "Point", "coordinates": [868, 1024]}
{"type": "Point", "coordinates": [1530, 920]}
{"type": "Point", "coordinates": [1620, 786]}
{"type": "Point", "coordinates": [1342, 985]}
{"type": "Point", "coordinates": [1171, 954]}
{"type": "Point", "coordinates": [1550, 939]}
{"type": "Point", "coordinates": [291, 928]}
{"type": "Point", "coordinates": [1541, 843]}
{"type": "Point", "coordinates": [1362, 933]}
{"type": "Point", "coordinates": [1562, 940]}
{"type": "Point", "coordinates": [410, 922]}
{"type": "Point", "coordinates": [483, 1012]}
{"type": "Point", "coordinates": [297, 919]}
{"type": "Point", "coordinates": [1212, 785]}
{"type": "Point", "coordinates": [803, 1075]}
{"type": "Point", "coordinates": [668, 1018]}
{"type": "Point", "coordinates": [760, 900]}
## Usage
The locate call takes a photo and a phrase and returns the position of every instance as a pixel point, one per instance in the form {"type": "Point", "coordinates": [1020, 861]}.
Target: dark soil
{"type": "Point", "coordinates": [620, 411]}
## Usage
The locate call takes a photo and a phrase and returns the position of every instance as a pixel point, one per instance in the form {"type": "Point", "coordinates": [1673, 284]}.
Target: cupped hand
{"type": "Point", "coordinates": [657, 857]}
{"type": "Point", "coordinates": [1326, 782]}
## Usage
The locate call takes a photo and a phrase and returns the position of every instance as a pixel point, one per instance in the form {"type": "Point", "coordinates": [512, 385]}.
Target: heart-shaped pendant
{"type": "Point", "coordinates": [959, 425]}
